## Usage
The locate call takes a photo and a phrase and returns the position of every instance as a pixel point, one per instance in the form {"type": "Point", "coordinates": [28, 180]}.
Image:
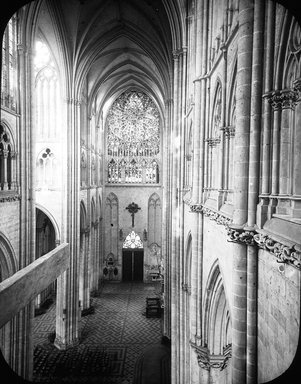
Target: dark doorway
{"type": "Point", "coordinates": [132, 265]}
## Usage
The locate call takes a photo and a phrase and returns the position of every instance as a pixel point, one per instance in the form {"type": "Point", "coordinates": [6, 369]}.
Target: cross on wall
{"type": "Point", "coordinates": [133, 208]}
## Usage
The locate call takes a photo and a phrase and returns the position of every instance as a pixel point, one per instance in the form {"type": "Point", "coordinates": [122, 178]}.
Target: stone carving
{"type": "Point", "coordinates": [186, 288]}
{"type": "Point", "coordinates": [218, 217]}
{"type": "Point", "coordinates": [282, 99]}
{"type": "Point", "coordinates": [283, 253]}
{"type": "Point", "coordinates": [240, 236]}
{"type": "Point", "coordinates": [9, 198]}
{"type": "Point", "coordinates": [208, 361]}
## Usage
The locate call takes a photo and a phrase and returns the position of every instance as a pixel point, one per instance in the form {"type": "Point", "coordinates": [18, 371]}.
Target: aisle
{"type": "Point", "coordinates": [112, 338]}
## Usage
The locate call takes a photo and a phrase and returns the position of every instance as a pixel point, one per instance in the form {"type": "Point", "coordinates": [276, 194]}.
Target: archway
{"type": "Point", "coordinates": [132, 258]}
{"type": "Point", "coordinates": [45, 242]}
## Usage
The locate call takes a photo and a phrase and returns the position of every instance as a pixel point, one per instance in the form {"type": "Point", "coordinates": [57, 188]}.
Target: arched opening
{"type": "Point", "coordinates": [45, 242]}
{"type": "Point", "coordinates": [132, 258]}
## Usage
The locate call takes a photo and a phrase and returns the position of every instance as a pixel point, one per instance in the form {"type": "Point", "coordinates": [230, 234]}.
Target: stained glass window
{"type": "Point", "coordinates": [132, 241]}
{"type": "Point", "coordinates": [133, 139]}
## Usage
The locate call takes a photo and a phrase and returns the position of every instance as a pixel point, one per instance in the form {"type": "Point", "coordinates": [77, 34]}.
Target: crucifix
{"type": "Point", "coordinates": [133, 208]}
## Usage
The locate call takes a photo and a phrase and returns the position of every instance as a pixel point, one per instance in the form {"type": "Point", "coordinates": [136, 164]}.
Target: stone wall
{"type": "Point", "coordinates": [278, 316]}
{"type": "Point", "coordinates": [127, 195]}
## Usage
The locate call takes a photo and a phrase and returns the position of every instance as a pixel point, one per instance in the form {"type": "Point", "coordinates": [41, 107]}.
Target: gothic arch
{"type": "Point", "coordinates": [83, 216]}
{"type": "Point", "coordinates": [112, 224]}
{"type": "Point", "coordinates": [53, 221]}
{"type": "Point", "coordinates": [8, 261]}
{"type": "Point", "coordinates": [216, 313]}
{"type": "Point", "coordinates": [154, 219]}
{"type": "Point", "coordinates": [188, 260]}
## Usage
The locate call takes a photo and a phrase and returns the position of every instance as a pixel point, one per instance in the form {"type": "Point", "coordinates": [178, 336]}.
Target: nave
{"type": "Point", "coordinates": [113, 336]}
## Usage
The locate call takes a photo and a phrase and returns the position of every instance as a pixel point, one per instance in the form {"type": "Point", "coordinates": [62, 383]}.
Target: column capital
{"type": "Point", "coordinates": [282, 99]}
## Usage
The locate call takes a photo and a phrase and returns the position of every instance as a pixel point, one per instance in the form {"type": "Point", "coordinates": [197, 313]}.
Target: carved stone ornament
{"type": "Point", "coordinates": [186, 288]}
{"type": "Point", "coordinates": [208, 361]}
{"type": "Point", "coordinates": [239, 235]}
{"type": "Point", "coordinates": [282, 99]}
{"type": "Point", "coordinates": [218, 217]}
{"type": "Point", "coordinates": [283, 253]}
{"type": "Point", "coordinates": [9, 198]}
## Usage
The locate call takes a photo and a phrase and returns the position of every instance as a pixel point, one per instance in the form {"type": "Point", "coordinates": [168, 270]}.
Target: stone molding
{"type": "Point", "coordinates": [208, 361]}
{"type": "Point", "coordinates": [9, 198]}
{"type": "Point", "coordinates": [218, 217]}
{"type": "Point", "coordinates": [284, 253]}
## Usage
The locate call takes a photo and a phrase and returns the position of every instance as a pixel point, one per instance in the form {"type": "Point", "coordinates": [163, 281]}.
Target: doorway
{"type": "Point", "coordinates": [132, 265]}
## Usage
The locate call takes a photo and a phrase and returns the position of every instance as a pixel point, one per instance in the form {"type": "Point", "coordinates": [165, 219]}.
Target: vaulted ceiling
{"type": "Point", "coordinates": [122, 44]}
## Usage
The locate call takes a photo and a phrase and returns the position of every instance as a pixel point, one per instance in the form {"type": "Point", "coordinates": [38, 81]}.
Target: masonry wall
{"type": "Point", "coordinates": [278, 316]}
{"type": "Point", "coordinates": [127, 195]}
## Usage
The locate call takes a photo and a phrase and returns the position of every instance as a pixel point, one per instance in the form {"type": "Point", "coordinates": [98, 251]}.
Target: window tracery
{"type": "Point", "coordinates": [47, 92]}
{"type": "Point", "coordinates": [9, 65]}
{"type": "Point", "coordinates": [132, 241]}
{"type": "Point", "coordinates": [46, 168]}
{"type": "Point", "coordinates": [133, 140]}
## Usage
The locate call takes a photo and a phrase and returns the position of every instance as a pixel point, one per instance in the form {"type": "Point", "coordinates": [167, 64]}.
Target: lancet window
{"type": "Point", "coordinates": [47, 92]}
{"type": "Point", "coordinates": [9, 65]}
{"type": "Point", "coordinates": [133, 140]}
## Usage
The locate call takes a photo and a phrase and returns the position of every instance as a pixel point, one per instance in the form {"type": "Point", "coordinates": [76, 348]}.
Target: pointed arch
{"type": "Point", "coordinates": [154, 219]}
{"type": "Point", "coordinates": [53, 221]}
{"type": "Point", "coordinates": [217, 331]}
{"type": "Point", "coordinates": [8, 261]}
{"type": "Point", "coordinates": [112, 224]}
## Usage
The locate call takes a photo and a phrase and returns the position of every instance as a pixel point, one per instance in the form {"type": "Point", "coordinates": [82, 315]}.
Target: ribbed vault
{"type": "Point", "coordinates": [117, 45]}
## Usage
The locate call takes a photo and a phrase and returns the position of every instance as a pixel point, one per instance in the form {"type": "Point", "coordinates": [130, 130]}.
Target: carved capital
{"type": "Point", "coordinates": [213, 141]}
{"type": "Point", "coordinates": [229, 131]}
{"type": "Point", "coordinates": [195, 208]}
{"type": "Point", "coordinates": [208, 361]}
{"type": "Point", "coordinates": [297, 87]}
{"type": "Point", "coordinates": [282, 99]}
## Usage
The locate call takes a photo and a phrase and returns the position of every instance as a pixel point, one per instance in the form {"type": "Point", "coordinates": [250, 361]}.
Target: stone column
{"type": "Point", "coordinates": [253, 188]}
{"type": "Point", "coordinates": [174, 216]}
{"type": "Point", "coordinates": [241, 161]}
{"type": "Point", "coordinates": [262, 208]}
{"type": "Point", "coordinates": [296, 180]}
{"type": "Point", "coordinates": [67, 306]}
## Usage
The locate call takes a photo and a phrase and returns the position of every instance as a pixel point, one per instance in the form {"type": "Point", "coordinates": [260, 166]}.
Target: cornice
{"type": "Point", "coordinates": [283, 252]}
{"type": "Point", "coordinates": [218, 217]}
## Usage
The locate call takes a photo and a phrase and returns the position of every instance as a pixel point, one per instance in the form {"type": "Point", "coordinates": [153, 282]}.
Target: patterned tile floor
{"type": "Point", "coordinates": [117, 331]}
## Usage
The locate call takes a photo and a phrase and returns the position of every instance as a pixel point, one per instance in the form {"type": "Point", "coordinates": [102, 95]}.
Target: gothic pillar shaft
{"type": "Point", "coordinates": [275, 151]}
{"type": "Point", "coordinates": [174, 215]}
{"type": "Point", "coordinates": [241, 161]}
{"type": "Point", "coordinates": [4, 180]}
{"type": "Point", "coordinates": [285, 150]}
{"type": "Point", "coordinates": [268, 85]}
{"type": "Point", "coordinates": [67, 308]}
{"type": "Point", "coordinates": [253, 189]}
{"type": "Point", "coordinates": [296, 180]}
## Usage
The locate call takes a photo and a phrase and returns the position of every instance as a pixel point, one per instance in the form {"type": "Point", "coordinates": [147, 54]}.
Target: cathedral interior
{"type": "Point", "coordinates": [150, 191]}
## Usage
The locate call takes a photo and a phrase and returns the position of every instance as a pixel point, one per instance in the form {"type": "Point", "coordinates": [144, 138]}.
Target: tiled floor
{"type": "Point", "coordinates": [112, 338]}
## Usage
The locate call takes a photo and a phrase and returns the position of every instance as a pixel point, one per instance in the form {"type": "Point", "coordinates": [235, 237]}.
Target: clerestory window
{"type": "Point", "coordinates": [133, 140]}
{"type": "Point", "coordinates": [9, 65]}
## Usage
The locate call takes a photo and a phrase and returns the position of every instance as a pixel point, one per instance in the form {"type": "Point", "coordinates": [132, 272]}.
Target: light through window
{"type": "Point", "coordinates": [133, 139]}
